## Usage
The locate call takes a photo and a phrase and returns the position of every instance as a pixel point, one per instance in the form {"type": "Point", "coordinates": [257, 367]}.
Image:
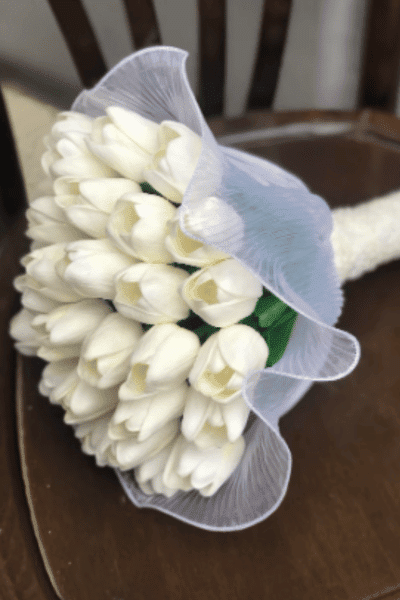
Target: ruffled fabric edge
{"type": "Point", "coordinates": [280, 232]}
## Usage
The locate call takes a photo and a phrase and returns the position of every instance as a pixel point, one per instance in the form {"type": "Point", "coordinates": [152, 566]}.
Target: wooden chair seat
{"type": "Point", "coordinates": [66, 527]}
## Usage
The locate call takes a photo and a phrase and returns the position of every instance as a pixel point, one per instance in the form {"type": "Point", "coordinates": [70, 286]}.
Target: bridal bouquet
{"type": "Point", "coordinates": [183, 294]}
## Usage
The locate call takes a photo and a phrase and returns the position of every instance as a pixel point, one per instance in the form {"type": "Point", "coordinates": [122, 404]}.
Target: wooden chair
{"type": "Point", "coordinates": [66, 528]}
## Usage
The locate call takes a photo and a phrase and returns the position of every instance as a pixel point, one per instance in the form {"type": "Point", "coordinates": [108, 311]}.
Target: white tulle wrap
{"type": "Point", "coordinates": [271, 223]}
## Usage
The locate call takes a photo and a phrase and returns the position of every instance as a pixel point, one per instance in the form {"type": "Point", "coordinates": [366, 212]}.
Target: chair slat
{"type": "Point", "coordinates": [380, 73]}
{"type": "Point", "coordinates": [270, 51]}
{"type": "Point", "coordinates": [212, 56]}
{"type": "Point", "coordinates": [179, 26]}
{"type": "Point", "coordinates": [80, 39]}
{"type": "Point", "coordinates": [243, 24]}
{"type": "Point", "coordinates": [111, 28]}
{"type": "Point", "coordinates": [143, 22]}
{"type": "Point", "coordinates": [12, 191]}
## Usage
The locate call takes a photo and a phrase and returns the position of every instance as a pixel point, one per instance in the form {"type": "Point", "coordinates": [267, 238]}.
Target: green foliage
{"type": "Point", "coordinates": [188, 268]}
{"type": "Point", "coordinates": [148, 189]}
{"type": "Point", "coordinates": [277, 336]}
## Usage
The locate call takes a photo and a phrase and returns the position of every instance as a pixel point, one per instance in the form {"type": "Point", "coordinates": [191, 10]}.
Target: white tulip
{"type": "Point", "coordinates": [235, 415]}
{"type": "Point", "coordinates": [105, 355]}
{"type": "Point", "coordinates": [48, 224]}
{"type": "Point", "coordinates": [140, 130]}
{"type": "Point", "coordinates": [174, 161]}
{"type": "Point", "coordinates": [201, 412]}
{"type": "Point", "coordinates": [214, 217]}
{"type": "Point", "coordinates": [225, 359]}
{"type": "Point", "coordinates": [42, 274]}
{"type": "Point", "coordinates": [88, 203]}
{"type": "Point", "coordinates": [150, 293]}
{"type": "Point", "coordinates": [85, 402]}
{"type": "Point", "coordinates": [70, 323]}
{"type": "Point", "coordinates": [147, 415]}
{"type": "Point", "coordinates": [125, 141]}
{"type": "Point", "coordinates": [31, 297]}
{"type": "Point", "coordinates": [55, 374]}
{"type": "Point", "coordinates": [51, 352]}
{"type": "Point", "coordinates": [130, 453]}
{"type": "Point", "coordinates": [138, 225]}
{"type": "Point", "coordinates": [149, 474]}
{"type": "Point", "coordinates": [70, 120]}
{"type": "Point", "coordinates": [61, 381]}
{"type": "Point", "coordinates": [204, 469]}
{"type": "Point", "coordinates": [81, 401]}
{"type": "Point", "coordinates": [70, 157]}
{"type": "Point", "coordinates": [189, 251]}
{"type": "Point", "coordinates": [28, 340]}
{"type": "Point", "coordinates": [67, 121]}
{"type": "Point", "coordinates": [90, 267]}
{"type": "Point", "coordinates": [95, 441]}
{"type": "Point", "coordinates": [222, 294]}
{"type": "Point", "coordinates": [161, 361]}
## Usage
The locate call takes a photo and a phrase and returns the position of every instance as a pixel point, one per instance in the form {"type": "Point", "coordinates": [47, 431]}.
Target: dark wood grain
{"type": "Point", "coordinates": [80, 39]}
{"type": "Point", "coordinates": [143, 22]}
{"type": "Point", "coordinates": [381, 57]}
{"type": "Point", "coordinates": [270, 52]}
{"type": "Point", "coordinates": [12, 193]}
{"type": "Point", "coordinates": [22, 575]}
{"type": "Point", "coordinates": [336, 535]}
{"type": "Point", "coordinates": [212, 56]}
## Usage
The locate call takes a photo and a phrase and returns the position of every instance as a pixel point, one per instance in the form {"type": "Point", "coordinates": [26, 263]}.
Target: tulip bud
{"type": "Point", "coordinates": [105, 355]}
{"type": "Point", "coordinates": [138, 225]}
{"type": "Point", "coordinates": [140, 130]}
{"type": "Point", "coordinates": [150, 293]}
{"type": "Point", "coordinates": [69, 156]}
{"type": "Point", "coordinates": [189, 251]}
{"type": "Point", "coordinates": [149, 474]}
{"type": "Point", "coordinates": [70, 323]}
{"type": "Point", "coordinates": [130, 453]}
{"type": "Point", "coordinates": [31, 297]}
{"type": "Point", "coordinates": [50, 352]}
{"type": "Point", "coordinates": [47, 223]}
{"type": "Point", "coordinates": [89, 203]}
{"type": "Point", "coordinates": [124, 141]}
{"type": "Point", "coordinates": [201, 412]}
{"type": "Point", "coordinates": [175, 160]}
{"type": "Point", "coordinates": [70, 120]}
{"type": "Point", "coordinates": [222, 294]}
{"type": "Point", "coordinates": [147, 415]}
{"type": "Point", "coordinates": [81, 401]}
{"type": "Point", "coordinates": [55, 375]}
{"type": "Point", "coordinates": [28, 339]}
{"type": "Point", "coordinates": [90, 267]}
{"type": "Point", "coordinates": [161, 361]}
{"type": "Point", "coordinates": [85, 402]}
{"type": "Point", "coordinates": [225, 359]}
{"type": "Point", "coordinates": [95, 441]}
{"type": "Point", "coordinates": [42, 275]}
{"type": "Point", "coordinates": [214, 218]}
{"type": "Point", "coordinates": [67, 121]}
{"type": "Point", "coordinates": [204, 469]}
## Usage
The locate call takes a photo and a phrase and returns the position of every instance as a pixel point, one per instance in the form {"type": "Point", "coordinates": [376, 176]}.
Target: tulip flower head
{"type": "Point", "coordinates": [183, 295]}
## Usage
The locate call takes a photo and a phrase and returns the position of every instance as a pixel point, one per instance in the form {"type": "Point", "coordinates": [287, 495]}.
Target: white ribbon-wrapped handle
{"type": "Point", "coordinates": [366, 236]}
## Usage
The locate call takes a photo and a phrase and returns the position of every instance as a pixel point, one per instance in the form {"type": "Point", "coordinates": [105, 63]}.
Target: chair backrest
{"type": "Point", "coordinates": [272, 54]}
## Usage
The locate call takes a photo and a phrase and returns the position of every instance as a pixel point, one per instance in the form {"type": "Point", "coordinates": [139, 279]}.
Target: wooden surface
{"type": "Point", "coordinates": [335, 536]}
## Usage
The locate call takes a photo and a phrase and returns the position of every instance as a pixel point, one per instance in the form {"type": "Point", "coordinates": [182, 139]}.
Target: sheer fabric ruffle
{"type": "Point", "coordinates": [272, 224]}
